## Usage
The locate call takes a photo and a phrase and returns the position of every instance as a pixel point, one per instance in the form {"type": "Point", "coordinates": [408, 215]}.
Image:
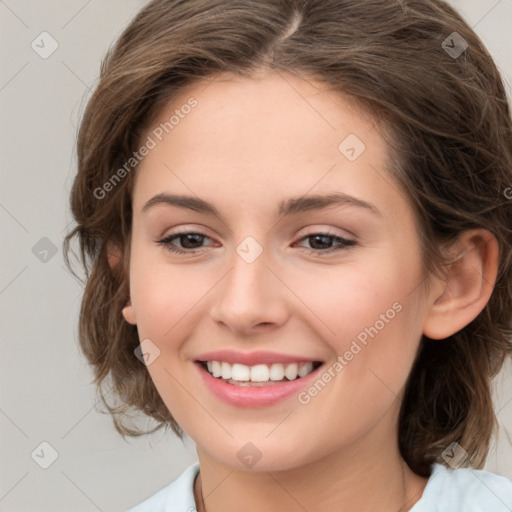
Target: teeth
{"type": "Point", "coordinates": [291, 371]}
{"type": "Point", "coordinates": [240, 372]}
{"type": "Point", "coordinates": [276, 372]}
{"type": "Point", "coordinates": [260, 372]}
{"type": "Point", "coordinates": [226, 370]}
{"type": "Point", "coordinates": [305, 369]}
{"type": "Point", "coordinates": [216, 368]}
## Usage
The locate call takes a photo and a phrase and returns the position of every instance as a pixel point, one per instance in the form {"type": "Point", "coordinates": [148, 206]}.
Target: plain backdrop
{"type": "Point", "coordinates": [46, 391]}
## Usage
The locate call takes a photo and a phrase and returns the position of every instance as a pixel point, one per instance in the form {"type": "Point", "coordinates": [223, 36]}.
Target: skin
{"type": "Point", "coordinates": [248, 145]}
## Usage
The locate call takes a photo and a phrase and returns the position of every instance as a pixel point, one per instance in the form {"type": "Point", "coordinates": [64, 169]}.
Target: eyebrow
{"type": "Point", "coordinates": [291, 206]}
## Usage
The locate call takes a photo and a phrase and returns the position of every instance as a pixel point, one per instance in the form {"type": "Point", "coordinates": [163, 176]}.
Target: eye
{"type": "Point", "coordinates": [319, 241]}
{"type": "Point", "coordinates": [188, 239]}
{"type": "Point", "coordinates": [191, 242]}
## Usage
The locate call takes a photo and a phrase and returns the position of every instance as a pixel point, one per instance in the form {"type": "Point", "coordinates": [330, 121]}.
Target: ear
{"type": "Point", "coordinates": [470, 277]}
{"type": "Point", "coordinates": [129, 313]}
{"type": "Point", "coordinates": [114, 257]}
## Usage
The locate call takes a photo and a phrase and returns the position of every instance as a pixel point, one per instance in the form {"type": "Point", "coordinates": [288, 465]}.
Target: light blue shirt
{"type": "Point", "coordinates": [447, 490]}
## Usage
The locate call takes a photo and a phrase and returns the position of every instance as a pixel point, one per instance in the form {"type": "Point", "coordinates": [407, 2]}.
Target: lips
{"type": "Point", "coordinates": [251, 394]}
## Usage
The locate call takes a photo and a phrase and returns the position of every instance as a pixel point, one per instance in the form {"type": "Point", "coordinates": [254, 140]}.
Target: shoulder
{"type": "Point", "coordinates": [177, 496]}
{"type": "Point", "coordinates": [465, 490]}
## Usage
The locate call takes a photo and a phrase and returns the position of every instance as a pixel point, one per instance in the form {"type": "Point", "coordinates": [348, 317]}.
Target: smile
{"type": "Point", "coordinates": [259, 374]}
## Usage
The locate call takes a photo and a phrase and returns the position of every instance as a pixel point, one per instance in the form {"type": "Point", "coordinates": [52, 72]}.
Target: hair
{"type": "Point", "coordinates": [447, 123]}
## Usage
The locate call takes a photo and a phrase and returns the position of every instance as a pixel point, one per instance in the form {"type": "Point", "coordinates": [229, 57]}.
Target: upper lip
{"type": "Point", "coordinates": [253, 358]}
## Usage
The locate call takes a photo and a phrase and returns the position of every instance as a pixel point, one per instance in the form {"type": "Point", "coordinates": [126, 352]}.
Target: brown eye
{"type": "Point", "coordinates": [190, 242]}
{"type": "Point", "coordinates": [322, 243]}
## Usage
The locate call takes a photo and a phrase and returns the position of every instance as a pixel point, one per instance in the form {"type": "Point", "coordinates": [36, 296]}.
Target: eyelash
{"type": "Point", "coordinates": [345, 243]}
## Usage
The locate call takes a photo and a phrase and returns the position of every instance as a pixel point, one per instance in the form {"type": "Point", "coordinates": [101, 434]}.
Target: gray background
{"type": "Point", "coordinates": [46, 390]}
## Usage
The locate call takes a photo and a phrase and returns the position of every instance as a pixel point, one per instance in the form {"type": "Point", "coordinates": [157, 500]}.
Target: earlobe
{"type": "Point", "coordinates": [114, 256]}
{"type": "Point", "coordinates": [129, 313]}
{"type": "Point", "coordinates": [462, 295]}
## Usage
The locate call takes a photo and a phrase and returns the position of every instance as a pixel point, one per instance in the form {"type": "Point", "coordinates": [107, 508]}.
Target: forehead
{"type": "Point", "coordinates": [270, 106]}
{"type": "Point", "coordinates": [269, 137]}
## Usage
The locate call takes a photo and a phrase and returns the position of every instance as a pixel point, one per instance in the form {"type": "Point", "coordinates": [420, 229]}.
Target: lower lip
{"type": "Point", "coordinates": [255, 396]}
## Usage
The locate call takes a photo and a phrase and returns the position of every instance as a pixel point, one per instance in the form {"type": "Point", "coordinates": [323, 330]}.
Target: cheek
{"type": "Point", "coordinates": [168, 303]}
{"type": "Point", "coordinates": [164, 295]}
{"type": "Point", "coordinates": [346, 299]}
{"type": "Point", "coordinates": [369, 314]}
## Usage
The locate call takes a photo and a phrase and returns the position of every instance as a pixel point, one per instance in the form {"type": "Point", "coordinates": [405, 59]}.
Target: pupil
{"type": "Point", "coordinates": [187, 239]}
{"type": "Point", "coordinates": [325, 239]}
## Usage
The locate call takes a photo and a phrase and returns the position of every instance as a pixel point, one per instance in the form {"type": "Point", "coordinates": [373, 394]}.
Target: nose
{"type": "Point", "coordinates": [251, 298]}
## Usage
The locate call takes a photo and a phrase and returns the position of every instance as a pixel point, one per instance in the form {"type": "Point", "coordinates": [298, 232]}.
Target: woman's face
{"type": "Point", "coordinates": [274, 271]}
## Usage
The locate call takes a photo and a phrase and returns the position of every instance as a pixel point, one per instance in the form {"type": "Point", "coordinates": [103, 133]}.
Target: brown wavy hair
{"type": "Point", "coordinates": [448, 126]}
